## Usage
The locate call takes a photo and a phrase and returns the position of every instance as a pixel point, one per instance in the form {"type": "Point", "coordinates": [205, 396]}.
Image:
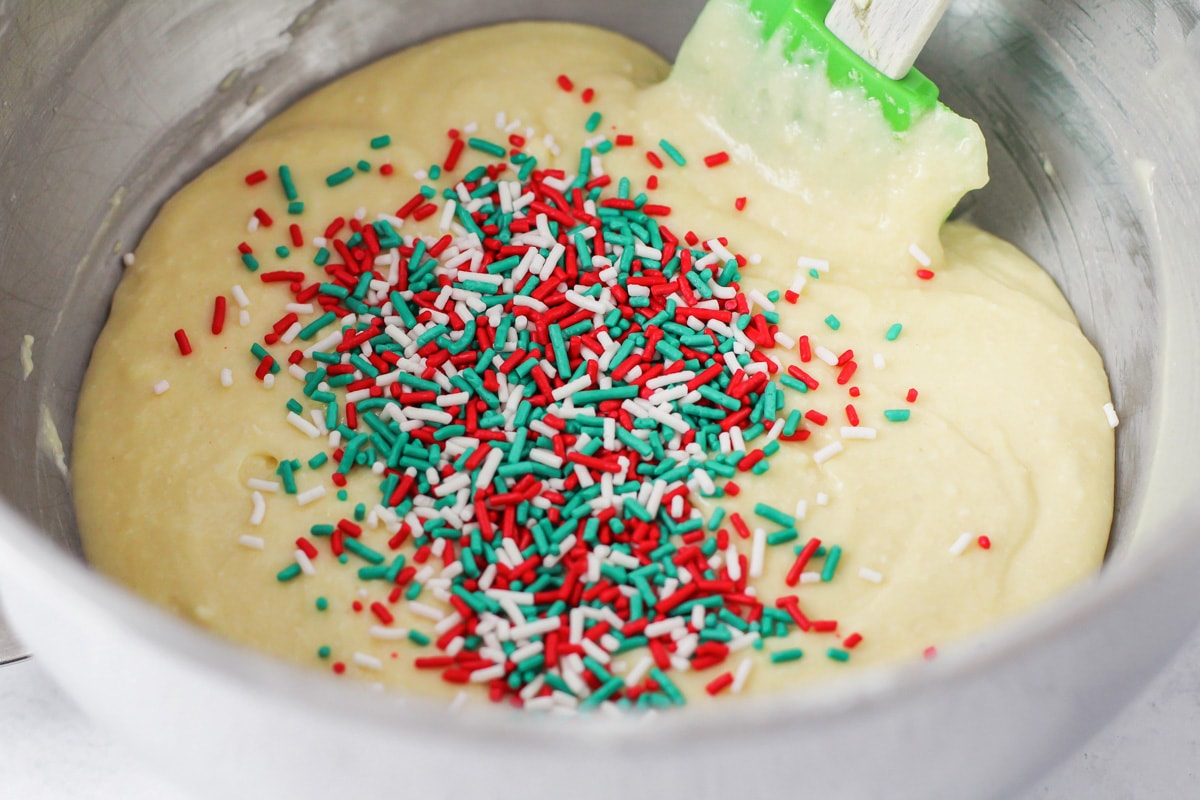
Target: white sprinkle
{"type": "Point", "coordinates": [268, 381]}
{"type": "Point", "coordinates": [386, 633]}
{"type": "Point", "coordinates": [305, 563]}
{"type": "Point", "coordinates": [920, 255]}
{"type": "Point", "coordinates": [368, 662]}
{"type": "Point", "coordinates": [740, 677]}
{"type": "Point", "coordinates": [260, 508]}
{"type": "Point", "coordinates": [662, 627]}
{"type": "Point", "coordinates": [858, 432]}
{"type": "Point", "coordinates": [759, 299]}
{"type": "Point", "coordinates": [426, 611]}
{"type": "Point", "coordinates": [960, 544]}
{"type": "Point", "coordinates": [128, 259]}
{"type": "Point", "coordinates": [161, 387]}
{"type": "Point", "coordinates": [301, 424]}
{"type": "Point", "coordinates": [878, 361]}
{"type": "Point", "coordinates": [827, 452]}
{"type": "Point", "coordinates": [801, 509]}
{"type": "Point", "coordinates": [239, 296]}
{"type": "Point", "coordinates": [535, 628]}
{"type": "Point", "coordinates": [227, 377]}
{"type": "Point", "coordinates": [826, 355]}
{"type": "Point", "coordinates": [252, 224]}
{"type": "Point", "coordinates": [806, 263]}
{"type": "Point", "coordinates": [758, 553]}
{"type": "Point", "coordinates": [822, 499]}
{"type": "Point", "coordinates": [310, 496]}
{"type": "Point", "coordinates": [1111, 414]}
{"type": "Point", "coordinates": [488, 674]}
{"type": "Point", "coordinates": [243, 318]}
{"type": "Point", "coordinates": [251, 542]}
{"type": "Point", "coordinates": [260, 485]}
{"type": "Point", "coordinates": [639, 671]}
{"type": "Point", "coordinates": [870, 575]}
{"type": "Point", "coordinates": [810, 577]}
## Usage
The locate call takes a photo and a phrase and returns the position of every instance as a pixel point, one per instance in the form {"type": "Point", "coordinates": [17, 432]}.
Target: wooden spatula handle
{"type": "Point", "coordinates": [887, 33]}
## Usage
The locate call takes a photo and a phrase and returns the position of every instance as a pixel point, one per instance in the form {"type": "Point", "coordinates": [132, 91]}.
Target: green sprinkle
{"type": "Point", "coordinates": [288, 573]}
{"type": "Point", "coordinates": [340, 177]}
{"type": "Point", "coordinates": [784, 656]}
{"type": "Point", "coordinates": [672, 153]}
{"type": "Point", "coordinates": [838, 654]}
{"type": "Point", "coordinates": [893, 333]}
{"type": "Point", "coordinates": [250, 261]}
{"type": "Point", "coordinates": [782, 537]}
{"type": "Point", "coordinates": [364, 166]}
{"type": "Point", "coordinates": [380, 142]}
{"type": "Point", "coordinates": [833, 322]}
{"type": "Point", "coordinates": [324, 651]}
{"type": "Point", "coordinates": [484, 146]}
{"type": "Point", "coordinates": [418, 638]}
{"type": "Point", "coordinates": [289, 186]}
{"type": "Point", "coordinates": [775, 515]}
{"type": "Point", "coordinates": [322, 604]}
{"type": "Point", "coordinates": [295, 208]}
{"type": "Point", "coordinates": [897, 414]}
{"type": "Point", "coordinates": [831, 563]}
{"type": "Point", "coordinates": [593, 122]}
{"type": "Point", "coordinates": [282, 251]}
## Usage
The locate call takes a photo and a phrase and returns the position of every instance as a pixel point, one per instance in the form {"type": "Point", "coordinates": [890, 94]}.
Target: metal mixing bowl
{"type": "Point", "coordinates": [1090, 108]}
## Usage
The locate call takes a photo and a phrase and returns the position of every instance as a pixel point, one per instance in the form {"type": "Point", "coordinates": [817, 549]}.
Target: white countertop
{"type": "Point", "coordinates": [49, 750]}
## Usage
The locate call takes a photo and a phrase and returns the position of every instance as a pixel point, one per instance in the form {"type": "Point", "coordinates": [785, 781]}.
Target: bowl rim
{"type": "Point", "coordinates": [28, 561]}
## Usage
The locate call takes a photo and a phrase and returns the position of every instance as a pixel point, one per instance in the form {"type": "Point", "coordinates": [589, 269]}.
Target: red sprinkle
{"type": "Point", "coordinates": [852, 641]}
{"type": "Point", "coordinates": [930, 653]}
{"type": "Point", "coordinates": [852, 414]}
{"type": "Point", "coordinates": [296, 234]}
{"type": "Point", "coordinates": [181, 339]}
{"type": "Point", "coordinates": [985, 543]}
{"type": "Point", "coordinates": [624, 140]}
{"type": "Point", "coordinates": [719, 683]}
{"type": "Point", "coordinates": [218, 317]}
{"type": "Point", "coordinates": [263, 218]}
{"type": "Point", "coordinates": [566, 84]}
{"type": "Point", "coordinates": [386, 169]}
{"type": "Point", "coordinates": [256, 177]}
{"type": "Point", "coordinates": [740, 205]}
{"type": "Point", "coordinates": [588, 95]}
{"type": "Point", "coordinates": [911, 396]}
{"type": "Point", "coordinates": [654, 160]}
{"type": "Point", "coordinates": [716, 159]}
{"type": "Point", "coordinates": [925, 274]}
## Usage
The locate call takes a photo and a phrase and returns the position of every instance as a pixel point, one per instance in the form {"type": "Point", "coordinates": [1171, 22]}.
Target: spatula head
{"type": "Point", "coordinates": [799, 28]}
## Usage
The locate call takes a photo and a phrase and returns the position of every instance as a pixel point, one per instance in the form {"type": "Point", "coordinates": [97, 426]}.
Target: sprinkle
{"type": "Point", "coordinates": [565, 83]}
{"type": "Point", "coordinates": [984, 542]}
{"type": "Point", "coordinates": [925, 274]}
{"type": "Point", "coordinates": [128, 259]}
{"type": "Point", "coordinates": [897, 414]}
{"type": "Point", "coordinates": [672, 153]}
{"type": "Point", "coordinates": [1110, 414]}
{"type": "Point", "coordinates": [741, 675]}
{"type": "Point", "coordinates": [310, 496]}
{"type": "Point", "coordinates": [837, 654]}
{"type": "Point", "coordinates": [960, 544]}
{"type": "Point", "coordinates": [251, 542]}
{"type": "Point", "coordinates": [260, 508]}
{"type": "Point", "coordinates": [368, 662]}
{"type": "Point", "coordinates": [380, 142]}
{"type": "Point", "coordinates": [181, 340]}
{"type": "Point", "coordinates": [161, 387]}
{"type": "Point", "coordinates": [716, 159]}
{"type": "Point", "coordinates": [920, 255]}
{"type": "Point", "coordinates": [239, 296]}
{"type": "Point", "coordinates": [256, 177]}
{"type": "Point", "coordinates": [339, 177]}
{"type": "Point", "coordinates": [786, 656]}
{"type": "Point", "coordinates": [833, 322]}
{"type": "Point", "coordinates": [827, 452]}
{"type": "Point", "coordinates": [870, 575]}
{"type": "Point", "coordinates": [893, 333]}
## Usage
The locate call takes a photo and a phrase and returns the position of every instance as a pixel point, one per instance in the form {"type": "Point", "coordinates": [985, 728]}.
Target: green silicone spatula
{"type": "Point", "coordinates": [867, 43]}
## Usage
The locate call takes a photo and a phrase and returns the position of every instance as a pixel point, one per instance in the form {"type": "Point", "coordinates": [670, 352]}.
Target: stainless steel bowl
{"type": "Point", "coordinates": [1091, 112]}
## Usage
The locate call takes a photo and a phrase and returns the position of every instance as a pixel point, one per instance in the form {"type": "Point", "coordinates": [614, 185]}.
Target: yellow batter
{"type": "Point", "coordinates": [1007, 438]}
